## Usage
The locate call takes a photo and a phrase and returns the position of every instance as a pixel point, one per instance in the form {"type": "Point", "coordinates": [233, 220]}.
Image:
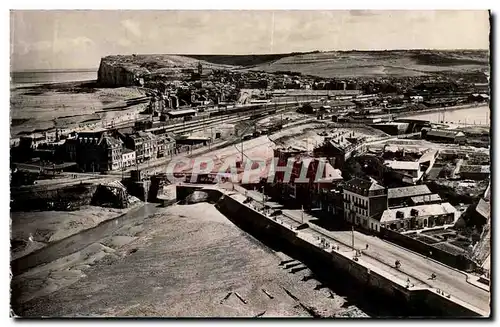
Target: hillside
{"type": "Point", "coordinates": [380, 63]}
{"type": "Point", "coordinates": [124, 70]}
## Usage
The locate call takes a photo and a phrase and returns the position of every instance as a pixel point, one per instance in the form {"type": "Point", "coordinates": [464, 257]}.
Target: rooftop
{"type": "Point", "coordinates": [364, 184]}
{"type": "Point", "coordinates": [111, 141]}
{"type": "Point", "coordinates": [408, 191]}
{"type": "Point", "coordinates": [340, 142]}
{"type": "Point", "coordinates": [483, 208]}
{"type": "Point", "coordinates": [331, 174]}
{"type": "Point", "coordinates": [422, 210]}
{"type": "Point", "coordinates": [421, 199]}
{"type": "Point", "coordinates": [146, 135]}
{"type": "Point", "coordinates": [182, 112]}
{"type": "Point", "coordinates": [444, 133]}
{"type": "Point", "coordinates": [402, 165]}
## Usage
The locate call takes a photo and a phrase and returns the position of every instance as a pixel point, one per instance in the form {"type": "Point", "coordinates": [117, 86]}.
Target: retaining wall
{"type": "Point", "coordinates": [453, 260]}
{"type": "Point", "coordinates": [332, 267]}
{"type": "Point", "coordinates": [47, 199]}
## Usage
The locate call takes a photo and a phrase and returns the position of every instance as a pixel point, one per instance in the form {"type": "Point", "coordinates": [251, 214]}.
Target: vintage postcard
{"type": "Point", "coordinates": [321, 164]}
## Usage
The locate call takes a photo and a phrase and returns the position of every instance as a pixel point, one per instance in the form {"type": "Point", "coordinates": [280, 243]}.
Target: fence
{"type": "Point", "coordinates": [458, 261]}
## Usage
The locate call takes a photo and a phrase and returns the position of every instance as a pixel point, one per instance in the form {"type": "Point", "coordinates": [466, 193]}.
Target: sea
{"type": "Point", "coordinates": [26, 78]}
{"type": "Point", "coordinates": [479, 115]}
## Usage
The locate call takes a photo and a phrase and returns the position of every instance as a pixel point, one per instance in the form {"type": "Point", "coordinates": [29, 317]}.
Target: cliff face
{"type": "Point", "coordinates": [128, 70]}
{"type": "Point", "coordinates": [114, 74]}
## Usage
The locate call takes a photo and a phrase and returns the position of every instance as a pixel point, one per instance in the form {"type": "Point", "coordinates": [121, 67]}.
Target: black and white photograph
{"type": "Point", "coordinates": [250, 164]}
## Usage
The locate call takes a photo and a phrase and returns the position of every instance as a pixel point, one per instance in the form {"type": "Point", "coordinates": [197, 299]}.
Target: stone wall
{"type": "Point", "coordinates": [64, 198]}
{"type": "Point", "coordinates": [332, 267]}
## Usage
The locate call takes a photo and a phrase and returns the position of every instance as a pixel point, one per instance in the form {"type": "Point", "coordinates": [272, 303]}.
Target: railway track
{"type": "Point", "coordinates": [200, 124]}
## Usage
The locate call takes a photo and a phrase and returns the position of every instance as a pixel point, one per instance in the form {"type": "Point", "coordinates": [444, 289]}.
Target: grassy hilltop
{"type": "Point", "coordinates": [397, 63]}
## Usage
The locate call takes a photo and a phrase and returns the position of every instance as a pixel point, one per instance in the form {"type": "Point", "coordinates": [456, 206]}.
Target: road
{"type": "Point", "coordinates": [416, 266]}
{"type": "Point", "coordinates": [383, 255]}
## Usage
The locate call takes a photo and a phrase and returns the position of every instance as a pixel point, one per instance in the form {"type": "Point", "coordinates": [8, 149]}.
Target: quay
{"type": "Point", "coordinates": [452, 293]}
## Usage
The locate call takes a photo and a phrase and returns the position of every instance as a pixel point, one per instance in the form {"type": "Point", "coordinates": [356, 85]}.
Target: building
{"type": "Point", "coordinates": [111, 148]}
{"type": "Point", "coordinates": [306, 192]}
{"type": "Point", "coordinates": [33, 141]}
{"type": "Point", "coordinates": [483, 208]}
{"type": "Point", "coordinates": [70, 149]}
{"type": "Point", "coordinates": [337, 149]}
{"type": "Point", "coordinates": [332, 202]}
{"type": "Point", "coordinates": [393, 128]}
{"type": "Point", "coordinates": [401, 196]}
{"type": "Point", "coordinates": [128, 158]}
{"type": "Point", "coordinates": [284, 153]}
{"type": "Point", "coordinates": [418, 217]}
{"type": "Point", "coordinates": [88, 152]}
{"type": "Point", "coordinates": [135, 142]}
{"type": "Point", "coordinates": [150, 147]}
{"type": "Point", "coordinates": [474, 172]}
{"type": "Point", "coordinates": [165, 145]}
{"type": "Point", "coordinates": [364, 202]}
{"type": "Point", "coordinates": [319, 175]}
{"type": "Point", "coordinates": [409, 171]}
{"type": "Point", "coordinates": [372, 119]}
{"type": "Point", "coordinates": [442, 135]}
{"type": "Point", "coordinates": [182, 114]}
{"type": "Point", "coordinates": [98, 151]}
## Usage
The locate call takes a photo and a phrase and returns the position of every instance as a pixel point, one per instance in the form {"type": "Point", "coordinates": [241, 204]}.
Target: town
{"type": "Point", "coordinates": [346, 163]}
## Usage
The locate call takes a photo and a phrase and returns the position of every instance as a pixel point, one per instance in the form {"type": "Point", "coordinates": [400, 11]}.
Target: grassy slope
{"type": "Point", "coordinates": [381, 63]}
{"type": "Point", "coordinates": [326, 64]}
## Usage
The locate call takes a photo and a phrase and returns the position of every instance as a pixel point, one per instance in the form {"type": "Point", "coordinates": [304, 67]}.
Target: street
{"type": "Point", "coordinates": [383, 255]}
{"type": "Point", "coordinates": [414, 265]}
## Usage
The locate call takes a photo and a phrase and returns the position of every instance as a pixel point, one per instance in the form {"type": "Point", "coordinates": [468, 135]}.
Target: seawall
{"type": "Point", "coordinates": [59, 198]}
{"type": "Point", "coordinates": [333, 267]}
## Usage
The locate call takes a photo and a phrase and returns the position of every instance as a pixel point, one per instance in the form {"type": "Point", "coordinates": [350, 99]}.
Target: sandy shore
{"type": "Point", "coordinates": [45, 107]}
{"type": "Point", "coordinates": [181, 261]}
{"type": "Point", "coordinates": [45, 227]}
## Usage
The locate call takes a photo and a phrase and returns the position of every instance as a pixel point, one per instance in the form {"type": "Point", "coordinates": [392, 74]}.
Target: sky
{"type": "Point", "coordinates": [78, 39]}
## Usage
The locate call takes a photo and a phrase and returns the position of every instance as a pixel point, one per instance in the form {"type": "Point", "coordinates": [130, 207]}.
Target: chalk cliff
{"type": "Point", "coordinates": [129, 70]}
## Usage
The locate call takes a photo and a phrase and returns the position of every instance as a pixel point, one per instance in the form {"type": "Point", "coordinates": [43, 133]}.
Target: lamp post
{"type": "Point", "coordinates": [352, 235]}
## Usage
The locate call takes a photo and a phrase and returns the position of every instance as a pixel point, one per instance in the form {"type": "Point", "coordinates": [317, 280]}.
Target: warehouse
{"type": "Point", "coordinates": [441, 135]}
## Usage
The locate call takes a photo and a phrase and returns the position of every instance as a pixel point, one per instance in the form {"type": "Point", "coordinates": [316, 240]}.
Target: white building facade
{"type": "Point", "coordinates": [364, 202]}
